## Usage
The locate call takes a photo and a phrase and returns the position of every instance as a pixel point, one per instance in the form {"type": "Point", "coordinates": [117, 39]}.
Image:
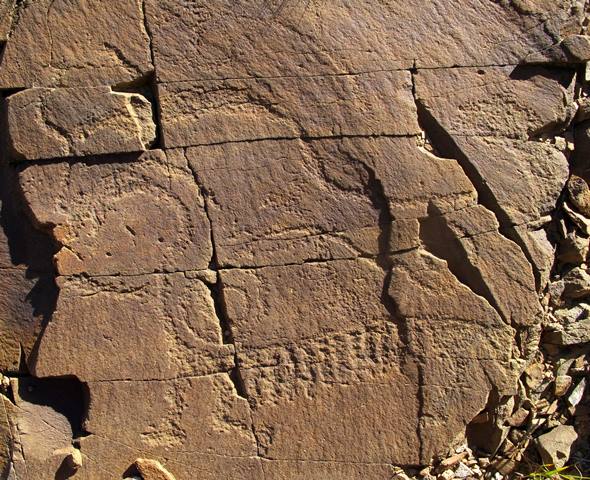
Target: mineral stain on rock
{"type": "Point", "coordinates": [293, 239]}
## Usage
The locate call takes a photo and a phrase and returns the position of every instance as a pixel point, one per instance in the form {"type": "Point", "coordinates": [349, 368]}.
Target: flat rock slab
{"type": "Point", "coordinates": [290, 201]}
{"type": "Point", "coordinates": [206, 112]}
{"type": "Point", "coordinates": [118, 314]}
{"type": "Point", "coordinates": [129, 217]}
{"type": "Point", "coordinates": [46, 123]}
{"type": "Point", "coordinates": [228, 39]}
{"type": "Point", "coordinates": [64, 43]}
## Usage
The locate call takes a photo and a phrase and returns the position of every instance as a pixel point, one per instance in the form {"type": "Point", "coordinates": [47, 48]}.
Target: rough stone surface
{"type": "Point", "coordinates": [66, 122]}
{"type": "Point", "coordinates": [63, 43]}
{"type": "Point", "coordinates": [94, 215]}
{"type": "Point", "coordinates": [308, 38]}
{"type": "Point", "coordinates": [292, 239]}
{"type": "Point", "coordinates": [555, 445]}
{"type": "Point", "coordinates": [7, 8]}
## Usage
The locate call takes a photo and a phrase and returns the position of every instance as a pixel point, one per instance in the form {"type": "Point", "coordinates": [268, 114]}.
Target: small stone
{"type": "Point", "coordinates": [562, 385]}
{"type": "Point", "coordinates": [152, 470]}
{"type": "Point", "coordinates": [463, 471]}
{"type": "Point", "coordinates": [577, 218]}
{"type": "Point", "coordinates": [555, 445]}
{"type": "Point", "coordinates": [504, 466]}
{"type": "Point", "coordinates": [573, 249]}
{"type": "Point", "coordinates": [425, 472]}
{"type": "Point", "coordinates": [576, 284]}
{"type": "Point", "coordinates": [74, 459]}
{"type": "Point", "coordinates": [577, 393]}
{"type": "Point", "coordinates": [518, 418]}
{"type": "Point", "coordinates": [453, 460]}
{"type": "Point", "coordinates": [535, 373]}
{"type": "Point", "coordinates": [446, 475]}
{"type": "Point", "coordinates": [579, 194]}
{"type": "Point", "coordinates": [571, 334]}
{"type": "Point", "coordinates": [400, 476]}
{"type": "Point", "coordinates": [483, 462]}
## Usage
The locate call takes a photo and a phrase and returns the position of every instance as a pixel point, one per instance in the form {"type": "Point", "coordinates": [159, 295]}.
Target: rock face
{"type": "Point", "coordinates": [280, 240]}
{"type": "Point", "coordinates": [48, 123]}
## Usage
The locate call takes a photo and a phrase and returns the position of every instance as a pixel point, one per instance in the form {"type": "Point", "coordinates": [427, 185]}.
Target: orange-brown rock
{"type": "Point", "coordinates": [65, 122]}
{"type": "Point", "coordinates": [64, 43]}
{"type": "Point", "coordinates": [205, 112]}
{"type": "Point", "coordinates": [94, 216]}
{"type": "Point", "coordinates": [227, 39]}
{"type": "Point", "coordinates": [174, 311]}
{"type": "Point", "coordinates": [278, 240]}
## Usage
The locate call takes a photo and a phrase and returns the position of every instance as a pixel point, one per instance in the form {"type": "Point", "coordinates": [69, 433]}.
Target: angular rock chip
{"type": "Point", "coordinates": [115, 315]}
{"type": "Point", "coordinates": [46, 123]}
{"type": "Point", "coordinates": [198, 425]}
{"type": "Point", "coordinates": [555, 445]}
{"type": "Point", "coordinates": [64, 43]}
{"type": "Point", "coordinates": [236, 39]}
{"type": "Point", "coordinates": [205, 112]}
{"type": "Point", "coordinates": [121, 218]}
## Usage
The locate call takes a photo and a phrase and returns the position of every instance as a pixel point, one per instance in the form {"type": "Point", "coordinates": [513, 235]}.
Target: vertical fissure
{"type": "Point", "coordinates": [445, 147]}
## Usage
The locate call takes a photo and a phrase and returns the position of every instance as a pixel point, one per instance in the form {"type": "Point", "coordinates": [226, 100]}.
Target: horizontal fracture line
{"type": "Point", "coordinates": [170, 379]}
{"type": "Point", "coordinates": [221, 269]}
{"type": "Point", "coordinates": [343, 74]}
{"type": "Point", "coordinates": [300, 137]}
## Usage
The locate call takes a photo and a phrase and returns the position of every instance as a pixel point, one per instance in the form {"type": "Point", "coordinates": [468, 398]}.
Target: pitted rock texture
{"type": "Point", "coordinates": [274, 239]}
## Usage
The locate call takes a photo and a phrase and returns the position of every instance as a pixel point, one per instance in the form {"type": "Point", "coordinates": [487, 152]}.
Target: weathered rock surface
{"type": "Point", "coordinates": [7, 8]}
{"type": "Point", "coordinates": [65, 122]}
{"type": "Point", "coordinates": [63, 43]}
{"type": "Point", "coordinates": [175, 311]}
{"type": "Point", "coordinates": [331, 260]}
{"type": "Point", "coordinates": [227, 39]}
{"type": "Point", "coordinates": [555, 445]}
{"type": "Point", "coordinates": [94, 215]}
{"type": "Point", "coordinates": [205, 112]}
{"type": "Point", "coordinates": [40, 433]}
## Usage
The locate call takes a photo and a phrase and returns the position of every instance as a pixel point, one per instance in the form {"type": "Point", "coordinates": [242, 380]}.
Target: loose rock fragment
{"type": "Point", "coordinates": [579, 194]}
{"type": "Point", "coordinates": [48, 123]}
{"type": "Point", "coordinates": [152, 470]}
{"type": "Point", "coordinates": [555, 446]}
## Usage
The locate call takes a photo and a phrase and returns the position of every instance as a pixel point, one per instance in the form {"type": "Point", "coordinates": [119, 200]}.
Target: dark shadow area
{"type": "Point", "coordinates": [68, 396]}
{"type": "Point", "coordinates": [439, 239]}
{"type": "Point", "coordinates": [445, 147]}
{"type": "Point", "coordinates": [22, 246]}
